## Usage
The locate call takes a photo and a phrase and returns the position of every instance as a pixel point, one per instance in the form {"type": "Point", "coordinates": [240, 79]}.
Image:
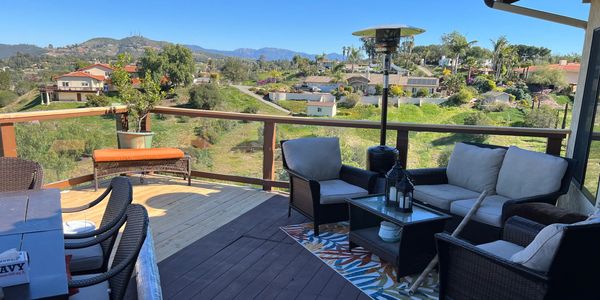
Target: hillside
{"type": "Point", "coordinates": [109, 47]}
{"type": "Point", "coordinates": [11, 50]}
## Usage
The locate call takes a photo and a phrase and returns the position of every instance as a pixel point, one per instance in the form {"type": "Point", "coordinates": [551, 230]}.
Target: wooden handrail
{"type": "Point", "coordinates": [8, 145]}
{"type": "Point", "coordinates": [516, 131]}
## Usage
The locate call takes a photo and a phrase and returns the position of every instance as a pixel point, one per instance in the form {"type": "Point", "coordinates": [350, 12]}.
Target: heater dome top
{"type": "Point", "coordinates": [403, 30]}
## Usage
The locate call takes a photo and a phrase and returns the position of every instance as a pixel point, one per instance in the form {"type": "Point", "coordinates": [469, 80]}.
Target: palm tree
{"type": "Point", "coordinates": [499, 46]}
{"type": "Point", "coordinates": [472, 63]}
{"type": "Point", "coordinates": [338, 77]}
{"type": "Point", "coordinates": [354, 56]}
{"type": "Point", "coordinates": [320, 58]}
{"type": "Point", "coordinates": [458, 45]}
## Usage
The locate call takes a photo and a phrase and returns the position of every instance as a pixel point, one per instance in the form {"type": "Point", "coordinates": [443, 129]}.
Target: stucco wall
{"type": "Point", "coordinates": [326, 111]}
{"type": "Point", "coordinates": [77, 82]}
{"type": "Point", "coordinates": [72, 96]}
{"type": "Point", "coordinates": [322, 97]}
{"type": "Point", "coordinates": [99, 71]}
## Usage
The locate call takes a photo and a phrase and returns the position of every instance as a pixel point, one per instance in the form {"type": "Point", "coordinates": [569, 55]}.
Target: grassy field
{"type": "Point", "coordinates": [298, 108]}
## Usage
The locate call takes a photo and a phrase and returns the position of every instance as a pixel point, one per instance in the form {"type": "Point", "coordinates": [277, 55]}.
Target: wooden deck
{"type": "Point", "coordinates": [179, 214]}
{"type": "Point", "coordinates": [219, 241]}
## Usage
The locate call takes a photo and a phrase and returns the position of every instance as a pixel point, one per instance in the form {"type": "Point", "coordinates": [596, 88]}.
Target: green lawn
{"type": "Point", "coordinates": [297, 107]}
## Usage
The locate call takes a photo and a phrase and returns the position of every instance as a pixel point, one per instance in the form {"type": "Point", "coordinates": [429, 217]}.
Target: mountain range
{"type": "Point", "coordinates": [103, 47]}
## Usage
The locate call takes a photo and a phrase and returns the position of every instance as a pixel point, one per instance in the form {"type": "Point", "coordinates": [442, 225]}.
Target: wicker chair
{"type": "Point", "coordinates": [470, 272]}
{"type": "Point", "coordinates": [113, 283]}
{"type": "Point", "coordinates": [91, 250]}
{"type": "Point", "coordinates": [18, 174]}
{"type": "Point", "coordinates": [319, 183]}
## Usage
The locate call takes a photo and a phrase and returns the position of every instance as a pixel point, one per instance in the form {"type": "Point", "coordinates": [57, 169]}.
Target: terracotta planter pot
{"type": "Point", "coordinates": [134, 140]}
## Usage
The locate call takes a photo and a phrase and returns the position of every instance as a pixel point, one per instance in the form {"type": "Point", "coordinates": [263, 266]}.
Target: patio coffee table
{"type": "Point", "coordinates": [416, 247]}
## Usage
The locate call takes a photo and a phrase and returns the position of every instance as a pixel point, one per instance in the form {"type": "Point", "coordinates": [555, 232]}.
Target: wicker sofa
{"type": "Point", "coordinates": [510, 175]}
{"type": "Point", "coordinates": [557, 266]}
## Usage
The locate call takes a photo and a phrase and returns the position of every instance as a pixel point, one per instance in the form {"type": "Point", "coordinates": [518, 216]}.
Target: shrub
{"type": "Point", "coordinates": [251, 109]}
{"type": "Point", "coordinates": [396, 90]}
{"type": "Point", "coordinates": [352, 100]}
{"type": "Point", "coordinates": [422, 93]}
{"type": "Point", "coordinates": [6, 97]}
{"type": "Point", "coordinates": [98, 100]}
{"type": "Point", "coordinates": [478, 119]}
{"type": "Point", "coordinates": [543, 117]}
{"type": "Point", "coordinates": [520, 91]}
{"type": "Point", "coordinates": [483, 84]}
{"type": "Point", "coordinates": [454, 83]}
{"type": "Point", "coordinates": [463, 96]}
{"type": "Point", "coordinates": [378, 89]}
{"type": "Point", "coordinates": [205, 96]}
{"type": "Point", "coordinates": [495, 107]}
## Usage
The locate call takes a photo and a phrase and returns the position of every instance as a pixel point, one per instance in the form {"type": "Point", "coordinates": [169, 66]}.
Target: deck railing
{"type": "Point", "coordinates": [8, 146]}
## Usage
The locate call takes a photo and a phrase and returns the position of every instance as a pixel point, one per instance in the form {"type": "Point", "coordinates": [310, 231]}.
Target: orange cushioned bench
{"type": "Point", "coordinates": [117, 161]}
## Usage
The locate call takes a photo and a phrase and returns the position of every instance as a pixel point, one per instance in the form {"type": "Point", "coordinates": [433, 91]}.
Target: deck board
{"type": "Point", "coordinates": [219, 241]}
{"type": "Point", "coordinates": [249, 258]}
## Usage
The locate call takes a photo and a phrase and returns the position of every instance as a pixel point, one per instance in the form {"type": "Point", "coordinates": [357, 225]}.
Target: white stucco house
{"type": "Point", "coordinates": [321, 109]}
{"type": "Point", "coordinates": [494, 97]}
{"type": "Point", "coordinates": [367, 82]}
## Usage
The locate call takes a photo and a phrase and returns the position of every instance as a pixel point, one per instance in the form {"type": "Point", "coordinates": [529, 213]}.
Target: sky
{"type": "Point", "coordinates": [312, 26]}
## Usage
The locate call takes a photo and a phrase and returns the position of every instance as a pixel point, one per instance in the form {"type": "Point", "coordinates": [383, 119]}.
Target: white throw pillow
{"type": "Point", "coordinates": [475, 168]}
{"type": "Point", "coordinates": [539, 254]}
{"type": "Point", "coordinates": [527, 173]}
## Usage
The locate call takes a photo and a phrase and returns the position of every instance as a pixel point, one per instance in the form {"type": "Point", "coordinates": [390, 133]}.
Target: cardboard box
{"type": "Point", "coordinates": [14, 268]}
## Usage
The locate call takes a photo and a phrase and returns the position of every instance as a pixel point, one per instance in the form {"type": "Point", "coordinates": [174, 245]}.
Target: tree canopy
{"type": "Point", "coordinates": [175, 62]}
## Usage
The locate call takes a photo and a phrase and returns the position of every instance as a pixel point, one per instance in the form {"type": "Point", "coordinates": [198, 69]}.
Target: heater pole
{"type": "Point", "coordinates": [384, 100]}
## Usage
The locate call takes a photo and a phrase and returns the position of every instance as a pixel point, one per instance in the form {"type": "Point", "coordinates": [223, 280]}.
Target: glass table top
{"type": "Point", "coordinates": [376, 205]}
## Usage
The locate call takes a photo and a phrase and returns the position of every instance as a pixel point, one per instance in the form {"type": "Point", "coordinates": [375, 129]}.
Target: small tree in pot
{"type": "Point", "coordinates": [139, 104]}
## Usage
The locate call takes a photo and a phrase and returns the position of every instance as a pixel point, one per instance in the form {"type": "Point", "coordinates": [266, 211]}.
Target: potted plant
{"type": "Point", "coordinates": [139, 104]}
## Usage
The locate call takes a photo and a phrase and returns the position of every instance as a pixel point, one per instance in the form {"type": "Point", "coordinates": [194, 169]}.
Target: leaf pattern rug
{"type": "Point", "coordinates": [365, 270]}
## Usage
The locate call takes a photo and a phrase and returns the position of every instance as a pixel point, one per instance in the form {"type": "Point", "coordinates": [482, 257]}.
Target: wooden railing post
{"type": "Point", "coordinates": [268, 154]}
{"type": "Point", "coordinates": [8, 140]}
{"type": "Point", "coordinates": [554, 145]}
{"type": "Point", "coordinates": [402, 146]}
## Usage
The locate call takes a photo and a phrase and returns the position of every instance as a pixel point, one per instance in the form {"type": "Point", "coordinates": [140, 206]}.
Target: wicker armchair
{"type": "Point", "coordinates": [319, 183]}
{"type": "Point", "coordinates": [469, 272]}
{"type": "Point", "coordinates": [18, 174]}
{"type": "Point", "coordinates": [115, 280]}
{"type": "Point", "coordinates": [91, 250]}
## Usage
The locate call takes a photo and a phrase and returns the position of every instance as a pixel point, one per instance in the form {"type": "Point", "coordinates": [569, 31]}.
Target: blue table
{"type": "Point", "coordinates": [31, 221]}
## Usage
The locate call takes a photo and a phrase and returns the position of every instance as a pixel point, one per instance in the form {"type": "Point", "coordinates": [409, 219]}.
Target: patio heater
{"type": "Point", "coordinates": [382, 158]}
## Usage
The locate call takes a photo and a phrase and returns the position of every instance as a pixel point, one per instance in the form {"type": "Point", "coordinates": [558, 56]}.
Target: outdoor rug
{"type": "Point", "coordinates": [360, 267]}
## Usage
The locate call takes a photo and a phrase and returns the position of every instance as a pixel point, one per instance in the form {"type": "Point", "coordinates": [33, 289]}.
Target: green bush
{"type": "Point", "coordinates": [98, 100]}
{"type": "Point", "coordinates": [378, 89]}
{"type": "Point", "coordinates": [483, 84]}
{"type": "Point", "coordinates": [396, 90]}
{"type": "Point", "coordinates": [253, 109]}
{"type": "Point", "coordinates": [351, 100]}
{"type": "Point", "coordinates": [543, 117]}
{"type": "Point", "coordinates": [478, 119]}
{"type": "Point", "coordinates": [465, 95]}
{"type": "Point", "coordinates": [422, 93]}
{"type": "Point", "coordinates": [6, 97]}
{"type": "Point", "coordinates": [520, 91]}
{"type": "Point", "coordinates": [205, 96]}
{"type": "Point", "coordinates": [495, 107]}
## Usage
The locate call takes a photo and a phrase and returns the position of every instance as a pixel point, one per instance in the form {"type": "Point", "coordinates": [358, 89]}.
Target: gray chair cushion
{"type": "Point", "coordinates": [501, 248]}
{"type": "Point", "coordinates": [475, 168]}
{"type": "Point", "coordinates": [98, 291]}
{"type": "Point", "coordinates": [315, 158]}
{"type": "Point", "coordinates": [337, 191]}
{"type": "Point", "coordinates": [526, 173]}
{"type": "Point", "coordinates": [85, 259]}
{"type": "Point", "coordinates": [490, 211]}
{"type": "Point", "coordinates": [441, 195]}
{"type": "Point", "coordinates": [538, 255]}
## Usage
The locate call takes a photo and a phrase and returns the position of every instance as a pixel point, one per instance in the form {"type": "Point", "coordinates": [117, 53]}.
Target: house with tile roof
{"type": "Point", "coordinates": [367, 82]}
{"type": "Point", "coordinates": [78, 85]}
{"type": "Point", "coordinates": [571, 71]}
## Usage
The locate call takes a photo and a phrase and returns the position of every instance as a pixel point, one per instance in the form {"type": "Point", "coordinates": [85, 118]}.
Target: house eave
{"type": "Point", "coordinates": [508, 6]}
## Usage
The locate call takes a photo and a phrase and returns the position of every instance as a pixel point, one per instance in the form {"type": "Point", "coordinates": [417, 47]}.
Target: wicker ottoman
{"type": "Point", "coordinates": [118, 161]}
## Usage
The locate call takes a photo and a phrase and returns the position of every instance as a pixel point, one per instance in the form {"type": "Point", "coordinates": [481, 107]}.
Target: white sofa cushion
{"type": "Point", "coordinates": [97, 291]}
{"type": "Point", "coordinates": [501, 248]}
{"type": "Point", "coordinates": [85, 259]}
{"type": "Point", "coordinates": [526, 173]}
{"type": "Point", "coordinates": [538, 255]}
{"type": "Point", "coordinates": [441, 195]}
{"type": "Point", "coordinates": [490, 211]}
{"type": "Point", "coordinates": [475, 168]}
{"type": "Point", "coordinates": [316, 158]}
{"type": "Point", "coordinates": [337, 191]}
